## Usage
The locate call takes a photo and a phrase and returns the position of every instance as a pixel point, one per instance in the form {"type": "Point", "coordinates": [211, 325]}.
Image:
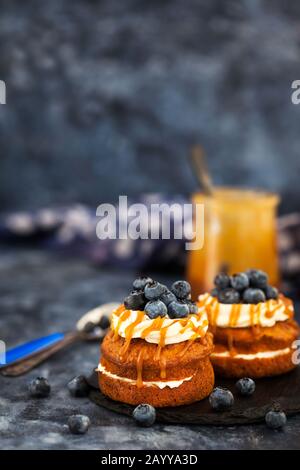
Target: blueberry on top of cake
{"type": "Point", "coordinates": [252, 323]}
{"type": "Point", "coordinates": [157, 300]}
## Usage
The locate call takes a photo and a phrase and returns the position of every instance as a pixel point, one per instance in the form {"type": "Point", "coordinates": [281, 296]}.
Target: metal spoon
{"type": "Point", "coordinates": [25, 357]}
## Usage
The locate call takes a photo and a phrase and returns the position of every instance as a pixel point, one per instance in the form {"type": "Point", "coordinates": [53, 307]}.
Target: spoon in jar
{"type": "Point", "coordinates": [91, 327]}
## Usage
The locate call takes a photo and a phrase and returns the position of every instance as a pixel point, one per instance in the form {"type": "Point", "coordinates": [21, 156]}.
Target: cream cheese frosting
{"type": "Point", "coordinates": [264, 314]}
{"type": "Point", "coordinates": [173, 329]}
{"type": "Point", "coordinates": [251, 356]}
{"type": "Point", "coordinates": [156, 383]}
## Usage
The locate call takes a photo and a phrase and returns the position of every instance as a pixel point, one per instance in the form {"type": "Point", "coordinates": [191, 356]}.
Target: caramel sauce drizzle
{"type": "Point", "coordinates": [123, 314]}
{"type": "Point", "coordinates": [212, 307]}
{"type": "Point", "coordinates": [129, 332]}
{"type": "Point", "coordinates": [123, 317]}
{"type": "Point", "coordinates": [234, 315]}
{"type": "Point", "coordinates": [139, 368]}
{"type": "Point", "coordinates": [119, 310]}
{"type": "Point", "coordinates": [156, 325]}
{"type": "Point", "coordinates": [163, 366]}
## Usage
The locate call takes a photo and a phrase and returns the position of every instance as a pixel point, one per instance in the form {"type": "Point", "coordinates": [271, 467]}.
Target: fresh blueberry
{"type": "Point", "coordinates": [193, 307]}
{"type": "Point", "coordinates": [78, 386]}
{"type": "Point", "coordinates": [39, 387]}
{"type": "Point", "coordinates": [140, 282]}
{"type": "Point", "coordinates": [253, 296]}
{"type": "Point", "coordinates": [222, 281]}
{"type": "Point", "coordinates": [275, 419]}
{"type": "Point", "coordinates": [257, 278]}
{"type": "Point", "coordinates": [156, 308]}
{"type": "Point", "coordinates": [239, 281]}
{"type": "Point", "coordinates": [221, 399]}
{"type": "Point", "coordinates": [104, 322]}
{"type": "Point", "coordinates": [229, 296]}
{"type": "Point", "coordinates": [178, 309]}
{"type": "Point", "coordinates": [135, 301]}
{"type": "Point", "coordinates": [167, 297]}
{"type": "Point", "coordinates": [144, 415]}
{"type": "Point", "coordinates": [245, 386]}
{"type": "Point", "coordinates": [271, 293]}
{"type": "Point", "coordinates": [154, 290]}
{"type": "Point", "coordinates": [181, 289]}
{"type": "Point", "coordinates": [79, 424]}
{"type": "Point", "coordinates": [214, 292]}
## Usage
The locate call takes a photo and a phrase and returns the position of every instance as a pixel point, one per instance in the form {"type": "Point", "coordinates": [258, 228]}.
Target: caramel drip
{"type": "Point", "coordinates": [119, 310]}
{"type": "Point", "coordinates": [230, 345]}
{"type": "Point", "coordinates": [186, 347]}
{"type": "Point", "coordinates": [139, 368]}
{"type": "Point", "coordinates": [129, 332]}
{"type": "Point", "coordinates": [163, 332]}
{"type": "Point", "coordinates": [157, 353]}
{"type": "Point", "coordinates": [123, 317]}
{"type": "Point", "coordinates": [253, 310]}
{"type": "Point", "coordinates": [271, 313]}
{"type": "Point", "coordinates": [186, 325]}
{"type": "Point", "coordinates": [163, 366]}
{"type": "Point", "coordinates": [214, 314]}
{"type": "Point", "coordinates": [156, 325]}
{"type": "Point", "coordinates": [234, 315]}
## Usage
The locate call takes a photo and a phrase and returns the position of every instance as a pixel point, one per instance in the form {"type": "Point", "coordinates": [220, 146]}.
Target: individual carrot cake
{"type": "Point", "coordinates": [158, 347]}
{"type": "Point", "coordinates": [253, 326]}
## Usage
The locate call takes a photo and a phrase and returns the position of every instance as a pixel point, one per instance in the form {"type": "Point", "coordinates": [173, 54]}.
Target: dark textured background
{"type": "Point", "coordinates": [106, 97]}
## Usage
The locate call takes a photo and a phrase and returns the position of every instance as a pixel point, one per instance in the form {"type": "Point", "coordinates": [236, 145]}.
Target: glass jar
{"type": "Point", "coordinates": [239, 233]}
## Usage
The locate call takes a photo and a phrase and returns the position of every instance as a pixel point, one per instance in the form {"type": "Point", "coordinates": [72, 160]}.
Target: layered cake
{"type": "Point", "coordinates": [157, 349]}
{"type": "Point", "coordinates": [253, 326]}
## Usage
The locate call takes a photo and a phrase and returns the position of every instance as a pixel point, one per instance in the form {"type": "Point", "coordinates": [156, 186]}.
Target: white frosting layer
{"type": "Point", "coordinates": [250, 357]}
{"type": "Point", "coordinates": [245, 317]}
{"type": "Point", "coordinates": [173, 328]}
{"type": "Point", "coordinates": [159, 384]}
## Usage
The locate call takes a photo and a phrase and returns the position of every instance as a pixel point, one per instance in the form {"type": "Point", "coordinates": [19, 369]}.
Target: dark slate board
{"type": "Point", "coordinates": [284, 390]}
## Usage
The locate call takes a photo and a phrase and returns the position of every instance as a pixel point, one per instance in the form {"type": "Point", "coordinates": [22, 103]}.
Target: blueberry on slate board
{"type": "Point", "coordinates": [156, 308]}
{"type": "Point", "coordinates": [239, 281]}
{"type": "Point", "coordinates": [257, 278]}
{"type": "Point", "coordinates": [178, 309]}
{"type": "Point", "coordinates": [140, 282]}
{"type": "Point", "coordinates": [221, 399]}
{"type": "Point", "coordinates": [144, 415]}
{"type": "Point", "coordinates": [275, 419]}
{"type": "Point", "coordinates": [79, 424]}
{"type": "Point", "coordinates": [78, 386]}
{"type": "Point", "coordinates": [271, 293]}
{"type": "Point", "coordinates": [39, 387]}
{"type": "Point", "coordinates": [135, 301]}
{"type": "Point", "coordinates": [222, 281]}
{"type": "Point", "coordinates": [245, 386]}
{"type": "Point", "coordinates": [228, 296]}
{"type": "Point", "coordinates": [154, 290]}
{"type": "Point", "coordinates": [253, 296]}
{"type": "Point", "coordinates": [181, 289]}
